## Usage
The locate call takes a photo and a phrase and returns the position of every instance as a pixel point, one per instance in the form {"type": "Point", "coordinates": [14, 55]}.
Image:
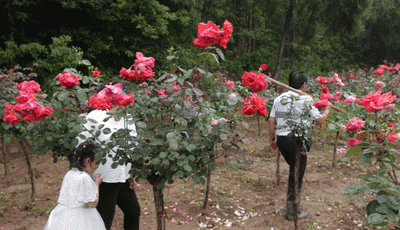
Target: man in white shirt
{"type": "Point", "coordinates": [294, 115]}
{"type": "Point", "coordinates": [115, 189]}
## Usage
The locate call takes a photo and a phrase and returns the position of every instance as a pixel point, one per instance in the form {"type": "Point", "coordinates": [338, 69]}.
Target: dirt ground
{"type": "Point", "coordinates": [245, 198]}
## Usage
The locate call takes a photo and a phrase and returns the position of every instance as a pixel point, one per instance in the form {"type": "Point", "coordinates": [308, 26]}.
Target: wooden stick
{"type": "Point", "coordinates": [297, 91]}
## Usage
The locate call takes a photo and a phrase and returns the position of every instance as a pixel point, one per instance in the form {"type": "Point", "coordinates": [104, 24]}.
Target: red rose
{"type": "Point", "coordinates": [207, 34]}
{"type": "Point", "coordinates": [44, 112]}
{"type": "Point", "coordinates": [28, 108]}
{"type": "Point", "coordinates": [325, 90]}
{"type": "Point", "coordinates": [223, 41]}
{"type": "Point", "coordinates": [146, 75]}
{"type": "Point", "coordinates": [26, 96]}
{"type": "Point", "coordinates": [129, 74]}
{"type": "Point", "coordinates": [393, 136]}
{"type": "Point", "coordinates": [68, 80]}
{"type": "Point", "coordinates": [9, 107]}
{"type": "Point", "coordinates": [126, 100]}
{"type": "Point", "coordinates": [264, 67]}
{"type": "Point", "coordinates": [200, 43]}
{"type": "Point", "coordinates": [321, 104]}
{"type": "Point", "coordinates": [249, 78]}
{"type": "Point", "coordinates": [96, 73]}
{"type": "Point", "coordinates": [355, 124]}
{"type": "Point", "coordinates": [379, 72]}
{"type": "Point", "coordinates": [260, 84]}
{"type": "Point", "coordinates": [228, 29]}
{"type": "Point", "coordinates": [254, 104]}
{"type": "Point", "coordinates": [11, 118]}
{"type": "Point", "coordinates": [326, 97]}
{"type": "Point", "coordinates": [376, 100]}
{"type": "Point", "coordinates": [322, 80]}
{"type": "Point", "coordinates": [29, 86]}
{"type": "Point", "coordinates": [100, 103]}
{"type": "Point", "coordinates": [392, 124]}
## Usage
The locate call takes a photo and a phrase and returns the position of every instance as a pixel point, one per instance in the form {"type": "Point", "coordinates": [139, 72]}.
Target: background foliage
{"type": "Point", "coordinates": [324, 35]}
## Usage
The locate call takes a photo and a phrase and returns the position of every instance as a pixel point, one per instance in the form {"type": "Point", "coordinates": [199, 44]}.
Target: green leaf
{"type": "Point", "coordinates": [367, 177]}
{"type": "Point", "coordinates": [81, 95]}
{"type": "Point", "coordinates": [344, 159]}
{"type": "Point", "coordinates": [92, 120]}
{"type": "Point", "coordinates": [375, 187]}
{"type": "Point", "coordinates": [187, 168]}
{"type": "Point", "coordinates": [198, 92]}
{"type": "Point", "coordinates": [376, 219]}
{"type": "Point", "coordinates": [332, 126]}
{"type": "Point", "coordinates": [156, 161]}
{"type": "Point", "coordinates": [219, 52]}
{"type": "Point", "coordinates": [141, 124]}
{"type": "Point", "coordinates": [163, 155]}
{"type": "Point", "coordinates": [114, 165]}
{"type": "Point", "coordinates": [366, 157]}
{"type": "Point", "coordinates": [354, 190]}
{"type": "Point", "coordinates": [170, 135]}
{"type": "Point", "coordinates": [392, 216]}
{"type": "Point", "coordinates": [173, 144]}
{"type": "Point", "coordinates": [393, 203]}
{"type": "Point", "coordinates": [62, 96]}
{"type": "Point", "coordinates": [107, 131]}
{"type": "Point", "coordinates": [85, 62]}
{"type": "Point", "coordinates": [233, 100]}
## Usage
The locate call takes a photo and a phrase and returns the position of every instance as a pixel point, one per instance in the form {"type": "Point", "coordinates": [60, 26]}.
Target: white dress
{"type": "Point", "coordinates": [72, 212]}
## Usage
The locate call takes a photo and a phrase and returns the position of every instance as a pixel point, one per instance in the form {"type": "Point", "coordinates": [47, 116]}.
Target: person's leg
{"type": "Point", "coordinates": [107, 200]}
{"type": "Point", "coordinates": [289, 146]}
{"type": "Point", "coordinates": [129, 205]}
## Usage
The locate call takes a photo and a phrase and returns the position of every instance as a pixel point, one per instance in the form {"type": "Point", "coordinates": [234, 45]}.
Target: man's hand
{"type": "Point", "coordinates": [134, 185]}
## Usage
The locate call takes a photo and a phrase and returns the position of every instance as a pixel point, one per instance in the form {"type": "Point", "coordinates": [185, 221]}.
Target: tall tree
{"type": "Point", "coordinates": [285, 34]}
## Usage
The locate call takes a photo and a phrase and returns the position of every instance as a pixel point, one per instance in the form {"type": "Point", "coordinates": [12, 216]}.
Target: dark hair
{"type": "Point", "coordinates": [297, 79]}
{"type": "Point", "coordinates": [85, 150]}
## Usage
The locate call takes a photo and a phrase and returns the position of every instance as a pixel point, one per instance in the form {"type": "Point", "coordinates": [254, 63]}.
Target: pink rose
{"type": "Point", "coordinates": [379, 84]}
{"type": "Point", "coordinates": [353, 141]}
{"type": "Point", "coordinates": [231, 84]}
{"type": "Point", "coordinates": [29, 86]}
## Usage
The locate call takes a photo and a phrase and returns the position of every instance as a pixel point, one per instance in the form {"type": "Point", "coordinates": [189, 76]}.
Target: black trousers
{"type": "Point", "coordinates": [289, 146]}
{"type": "Point", "coordinates": [111, 194]}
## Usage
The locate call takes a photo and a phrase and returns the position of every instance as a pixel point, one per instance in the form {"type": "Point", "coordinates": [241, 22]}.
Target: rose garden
{"type": "Point", "coordinates": [202, 139]}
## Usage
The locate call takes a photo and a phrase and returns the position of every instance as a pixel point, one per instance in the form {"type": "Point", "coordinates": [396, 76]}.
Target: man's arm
{"type": "Point", "coordinates": [272, 140]}
{"type": "Point", "coordinates": [321, 120]}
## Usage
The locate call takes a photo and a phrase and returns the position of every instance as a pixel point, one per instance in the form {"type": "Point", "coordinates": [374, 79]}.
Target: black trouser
{"type": "Point", "coordinates": [289, 146]}
{"type": "Point", "coordinates": [111, 194]}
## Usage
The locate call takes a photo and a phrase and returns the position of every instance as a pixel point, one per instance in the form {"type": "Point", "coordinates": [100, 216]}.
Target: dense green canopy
{"type": "Point", "coordinates": [331, 35]}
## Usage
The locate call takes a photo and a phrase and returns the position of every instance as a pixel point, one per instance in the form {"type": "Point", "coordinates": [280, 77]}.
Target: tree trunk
{"type": "Point", "coordinates": [30, 171]}
{"type": "Point", "coordinates": [4, 155]}
{"type": "Point", "coordinates": [158, 202]}
{"type": "Point", "coordinates": [289, 16]}
{"type": "Point", "coordinates": [296, 190]}
{"type": "Point", "coordinates": [277, 172]}
{"type": "Point", "coordinates": [334, 149]}
{"type": "Point", "coordinates": [207, 189]}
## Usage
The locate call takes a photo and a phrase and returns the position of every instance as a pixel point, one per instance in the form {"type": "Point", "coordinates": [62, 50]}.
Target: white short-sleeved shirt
{"type": "Point", "coordinates": [283, 110]}
{"type": "Point", "coordinates": [121, 173]}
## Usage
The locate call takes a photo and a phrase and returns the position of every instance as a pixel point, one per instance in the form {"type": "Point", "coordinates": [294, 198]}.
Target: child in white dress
{"type": "Point", "coordinates": [76, 209]}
